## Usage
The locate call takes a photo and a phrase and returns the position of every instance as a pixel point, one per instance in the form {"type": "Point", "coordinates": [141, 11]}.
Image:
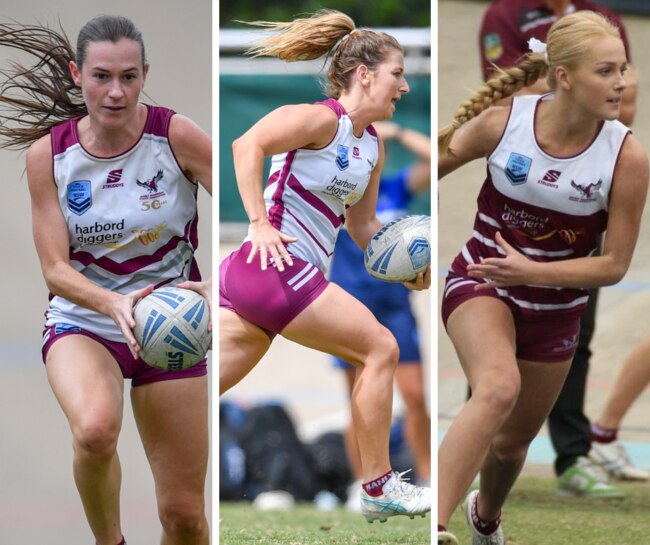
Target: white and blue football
{"type": "Point", "coordinates": [171, 326]}
{"type": "Point", "coordinates": [400, 249]}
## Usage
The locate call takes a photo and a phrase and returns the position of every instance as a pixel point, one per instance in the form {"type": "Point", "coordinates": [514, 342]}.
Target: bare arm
{"type": "Point", "coordinates": [193, 149]}
{"type": "Point", "coordinates": [625, 209]}
{"type": "Point", "coordinates": [50, 234]}
{"type": "Point", "coordinates": [475, 139]}
{"type": "Point", "coordinates": [284, 129]}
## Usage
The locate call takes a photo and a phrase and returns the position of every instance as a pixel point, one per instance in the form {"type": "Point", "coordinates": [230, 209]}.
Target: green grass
{"type": "Point", "coordinates": [240, 524]}
{"type": "Point", "coordinates": [535, 515]}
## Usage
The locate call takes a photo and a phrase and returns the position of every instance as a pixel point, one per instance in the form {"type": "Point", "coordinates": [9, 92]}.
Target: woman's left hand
{"type": "Point", "coordinates": [512, 270]}
{"type": "Point", "coordinates": [421, 282]}
{"type": "Point", "coordinates": [203, 288]}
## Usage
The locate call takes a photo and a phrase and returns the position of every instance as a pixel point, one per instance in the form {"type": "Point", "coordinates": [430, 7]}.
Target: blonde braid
{"type": "Point", "coordinates": [506, 83]}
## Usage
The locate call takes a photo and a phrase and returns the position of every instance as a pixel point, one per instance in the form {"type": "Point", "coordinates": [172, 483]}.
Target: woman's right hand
{"type": "Point", "coordinates": [121, 311]}
{"type": "Point", "coordinates": [268, 240]}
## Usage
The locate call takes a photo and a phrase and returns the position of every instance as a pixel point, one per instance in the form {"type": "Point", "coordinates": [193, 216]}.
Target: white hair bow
{"type": "Point", "coordinates": [537, 46]}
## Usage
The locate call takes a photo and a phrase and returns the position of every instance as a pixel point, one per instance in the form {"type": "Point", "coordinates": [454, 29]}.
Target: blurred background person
{"type": "Point", "coordinates": [390, 302]}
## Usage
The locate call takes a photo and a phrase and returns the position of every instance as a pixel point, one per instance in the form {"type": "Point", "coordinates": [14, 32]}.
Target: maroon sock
{"type": "Point", "coordinates": [123, 542]}
{"type": "Point", "coordinates": [485, 527]}
{"type": "Point", "coordinates": [603, 435]}
{"type": "Point", "coordinates": [375, 488]}
{"type": "Point", "coordinates": [441, 528]}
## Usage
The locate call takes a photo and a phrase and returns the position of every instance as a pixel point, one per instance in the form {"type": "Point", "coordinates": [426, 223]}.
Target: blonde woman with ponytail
{"type": "Point", "coordinates": [327, 159]}
{"type": "Point", "coordinates": [561, 171]}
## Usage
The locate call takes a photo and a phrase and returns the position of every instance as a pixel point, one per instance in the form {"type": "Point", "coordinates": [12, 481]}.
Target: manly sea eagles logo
{"type": "Point", "coordinates": [586, 191]}
{"type": "Point", "coordinates": [152, 185]}
{"type": "Point", "coordinates": [342, 160]}
{"type": "Point", "coordinates": [79, 197]}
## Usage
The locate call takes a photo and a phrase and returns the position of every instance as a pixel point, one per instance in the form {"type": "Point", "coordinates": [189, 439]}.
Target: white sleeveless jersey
{"type": "Point", "coordinates": [308, 190]}
{"type": "Point", "coordinates": [548, 208]}
{"type": "Point", "coordinates": [132, 219]}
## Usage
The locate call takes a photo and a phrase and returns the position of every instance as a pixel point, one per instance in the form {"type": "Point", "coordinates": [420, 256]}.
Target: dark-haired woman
{"type": "Point", "coordinates": [104, 168]}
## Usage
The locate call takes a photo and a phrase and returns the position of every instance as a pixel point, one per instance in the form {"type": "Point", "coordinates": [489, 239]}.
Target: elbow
{"type": "Point", "coordinates": [615, 274]}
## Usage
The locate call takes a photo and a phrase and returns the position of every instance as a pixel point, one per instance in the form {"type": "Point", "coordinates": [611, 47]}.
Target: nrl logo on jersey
{"type": "Point", "coordinates": [79, 196]}
{"type": "Point", "coordinates": [342, 160]}
{"type": "Point", "coordinates": [151, 185]}
{"type": "Point", "coordinates": [587, 192]}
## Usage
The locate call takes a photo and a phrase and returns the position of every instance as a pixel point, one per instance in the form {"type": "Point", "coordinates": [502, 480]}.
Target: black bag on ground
{"type": "Point", "coordinates": [276, 459]}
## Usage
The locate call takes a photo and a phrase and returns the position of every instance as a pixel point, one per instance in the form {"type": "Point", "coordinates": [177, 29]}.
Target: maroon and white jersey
{"type": "Point", "coordinates": [508, 25]}
{"type": "Point", "coordinates": [132, 219]}
{"type": "Point", "coordinates": [308, 190]}
{"type": "Point", "coordinates": [548, 208]}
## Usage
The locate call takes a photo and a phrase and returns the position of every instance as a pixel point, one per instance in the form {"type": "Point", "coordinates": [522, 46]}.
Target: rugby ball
{"type": "Point", "coordinates": [171, 327]}
{"type": "Point", "coordinates": [400, 249]}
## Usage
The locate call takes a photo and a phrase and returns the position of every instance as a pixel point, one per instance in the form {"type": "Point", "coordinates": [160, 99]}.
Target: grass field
{"type": "Point", "coordinates": [536, 515]}
{"type": "Point", "coordinates": [240, 524]}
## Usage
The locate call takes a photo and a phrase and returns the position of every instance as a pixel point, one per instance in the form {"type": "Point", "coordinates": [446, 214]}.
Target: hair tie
{"type": "Point", "coordinates": [537, 46]}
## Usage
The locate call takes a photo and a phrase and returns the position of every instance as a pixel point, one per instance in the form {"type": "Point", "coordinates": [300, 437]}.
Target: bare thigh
{"type": "Point", "coordinates": [340, 325]}
{"type": "Point", "coordinates": [172, 418]}
{"type": "Point", "coordinates": [483, 333]}
{"type": "Point", "coordinates": [241, 346]}
{"type": "Point", "coordinates": [86, 381]}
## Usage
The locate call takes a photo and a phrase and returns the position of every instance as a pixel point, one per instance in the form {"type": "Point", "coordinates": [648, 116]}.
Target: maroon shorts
{"type": "Point", "coordinates": [546, 337]}
{"type": "Point", "coordinates": [269, 299]}
{"type": "Point", "coordinates": [137, 370]}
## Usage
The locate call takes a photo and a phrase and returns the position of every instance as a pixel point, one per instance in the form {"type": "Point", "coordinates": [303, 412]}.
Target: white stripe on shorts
{"type": "Point", "coordinates": [300, 274]}
{"type": "Point", "coordinates": [306, 279]}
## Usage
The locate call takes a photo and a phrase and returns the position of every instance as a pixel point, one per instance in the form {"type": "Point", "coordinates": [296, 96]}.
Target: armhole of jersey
{"type": "Point", "coordinates": [167, 125]}
{"type": "Point", "coordinates": [505, 129]}
{"type": "Point", "coordinates": [618, 157]}
{"type": "Point", "coordinates": [339, 112]}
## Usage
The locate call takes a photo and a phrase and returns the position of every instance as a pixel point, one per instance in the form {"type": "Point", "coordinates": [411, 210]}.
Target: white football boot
{"type": "Point", "coordinates": [495, 538]}
{"type": "Point", "coordinates": [615, 460]}
{"type": "Point", "coordinates": [398, 498]}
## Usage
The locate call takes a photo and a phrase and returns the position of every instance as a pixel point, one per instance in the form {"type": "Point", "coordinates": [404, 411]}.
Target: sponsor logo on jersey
{"type": "Point", "coordinates": [550, 178]}
{"type": "Point", "coordinates": [113, 179]}
{"type": "Point", "coordinates": [145, 236]}
{"type": "Point", "coordinates": [569, 236]}
{"type": "Point", "coordinates": [79, 197]}
{"type": "Point", "coordinates": [492, 46]}
{"type": "Point", "coordinates": [98, 233]}
{"type": "Point", "coordinates": [517, 168]}
{"type": "Point", "coordinates": [343, 190]}
{"type": "Point", "coordinates": [152, 186]}
{"type": "Point", "coordinates": [586, 191]}
{"type": "Point", "coordinates": [342, 161]}
{"type": "Point", "coordinates": [531, 224]}
{"type": "Point", "coordinates": [356, 153]}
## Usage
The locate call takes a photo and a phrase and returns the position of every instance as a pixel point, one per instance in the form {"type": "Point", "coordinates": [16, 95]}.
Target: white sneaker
{"type": "Point", "coordinates": [398, 498]}
{"type": "Point", "coordinates": [353, 503]}
{"type": "Point", "coordinates": [613, 458]}
{"type": "Point", "coordinates": [495, 538]}
{"type": "Point", "coordinates": [446, 538]}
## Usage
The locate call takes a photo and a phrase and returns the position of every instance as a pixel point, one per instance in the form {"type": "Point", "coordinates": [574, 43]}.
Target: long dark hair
{"type": "Point", "coordinates": [35, 98]}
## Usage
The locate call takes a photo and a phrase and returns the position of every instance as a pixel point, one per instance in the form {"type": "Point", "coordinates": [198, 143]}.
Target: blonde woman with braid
{"type": "Point", "coordinates": [561, 170]}
{"type": "Point", "coordinates": [327, 159]}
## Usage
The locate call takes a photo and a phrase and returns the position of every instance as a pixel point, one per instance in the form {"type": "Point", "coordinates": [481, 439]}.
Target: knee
{"type": "Point", "coordinates": [385, 352]}
{"type": "Point", "coordinates": [183, 518]}
{"type": "Point", "coordinates": [96, 438]}
{"type": "Point", "coordinates": [498, 396]}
